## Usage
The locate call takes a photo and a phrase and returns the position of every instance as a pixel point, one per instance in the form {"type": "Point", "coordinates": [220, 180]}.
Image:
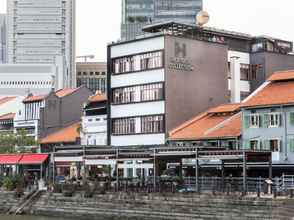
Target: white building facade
{"type": "Point", "coordinates": [94, 130]}
{"type": "Point", "coordinates": [22, 79]}
{"type": "Point", "coordinates": [28, 117]}
{"type": "Point", "coordinates": [137, 108]}
{"type": "Point", "coordinates": [3, 33]}
{"type": "Point", "coordinates": [43, 31]}
{"type": "Point", "coordinates": [94, 121]}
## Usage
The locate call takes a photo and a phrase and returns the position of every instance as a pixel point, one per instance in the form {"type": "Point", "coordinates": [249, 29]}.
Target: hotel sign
{"type": "Point", "coordinates": [180, 62]}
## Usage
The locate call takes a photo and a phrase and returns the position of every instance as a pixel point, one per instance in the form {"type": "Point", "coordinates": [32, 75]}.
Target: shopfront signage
{"type": "Point", "coordinates": [180, 61]}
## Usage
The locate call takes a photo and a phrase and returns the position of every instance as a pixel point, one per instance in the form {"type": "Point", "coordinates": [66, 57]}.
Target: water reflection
{"type": "Point", "coordinates": [22, 217]}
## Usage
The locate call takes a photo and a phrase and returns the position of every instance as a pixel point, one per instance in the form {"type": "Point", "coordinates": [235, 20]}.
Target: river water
{"type": "Point", "coordinates": [24, 217]}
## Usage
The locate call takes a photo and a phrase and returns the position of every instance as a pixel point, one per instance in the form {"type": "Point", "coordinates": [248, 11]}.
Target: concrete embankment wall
{"type": "Point", "coordinates": [177, 207]}
{"type": "Point", "coordinates": [7, 201]}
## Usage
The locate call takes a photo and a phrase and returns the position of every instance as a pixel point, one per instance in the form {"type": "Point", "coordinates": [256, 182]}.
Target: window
{"type": "Point", "coordinates": [152, 124]}
{"type": "Point", "coordinates": [291, 145]}
{"type": "Point", "coordinates": [244, 71]}
{"type": "Point", "coordinates": [138, 125]}
{"type": "Point", "coordinates": [140, 62]}
{"type": "Point", "coordinates": [254, 121]}
{"type": "Point", "coordinates": [123, 126]}
{"type": "Point", "coordinates": [254, 144]}
{"type": "Point", "coordinates": [257, 47]}
{"type": "Point", "coordinates": [274, 145]}
{"type": "Point", "coordinates": [124, 95]}
{"type": "Point", "coordinates": [150, 92]}
{"type": "Point", "coordinates": [274, 120]}
{"type": "Point", "coordinates": [292, 118]}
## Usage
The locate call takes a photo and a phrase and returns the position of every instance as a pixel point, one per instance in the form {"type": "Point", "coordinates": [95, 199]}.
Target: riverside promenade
{"type": "Point", "coordinates": [153, 206]}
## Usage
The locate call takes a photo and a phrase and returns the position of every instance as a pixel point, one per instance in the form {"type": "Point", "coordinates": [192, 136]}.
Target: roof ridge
{"type": "Point", "coordinates": [259, 89]}
{"type": "Point", "coordinates": [189, 122]}
{"type": "Point", "coordinates": [222, 124]}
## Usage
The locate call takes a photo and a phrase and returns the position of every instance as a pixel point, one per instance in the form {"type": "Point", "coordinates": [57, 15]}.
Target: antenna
{"type": "Point", "coordinates": [202, 18]}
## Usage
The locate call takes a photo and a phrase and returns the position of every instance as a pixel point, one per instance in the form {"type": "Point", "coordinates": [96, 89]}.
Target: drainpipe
{"type": "Point", "coordinates": [235, 79]}
{"type": "Point", "coordinates": [286, 133]}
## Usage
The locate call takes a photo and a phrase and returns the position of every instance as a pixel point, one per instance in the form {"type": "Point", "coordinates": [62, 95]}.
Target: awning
{"type": "Point", "coordinates": [28, 159]}
{"type": "Point", "coordinates": [10, 159]}
{"type": "Point", "coordinates": [23, 159]}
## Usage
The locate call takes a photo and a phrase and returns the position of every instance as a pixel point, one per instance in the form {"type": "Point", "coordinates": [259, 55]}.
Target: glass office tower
{"type": "Point", "coordinates": [138, 13]}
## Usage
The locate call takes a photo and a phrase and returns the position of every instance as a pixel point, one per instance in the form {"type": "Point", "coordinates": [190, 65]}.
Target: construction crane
{"type": "Point", "coordinates": [86, 57]}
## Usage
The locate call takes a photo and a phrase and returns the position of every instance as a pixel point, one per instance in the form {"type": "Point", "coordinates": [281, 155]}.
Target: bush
{"type": "Point", "coordinates": [8, 184]}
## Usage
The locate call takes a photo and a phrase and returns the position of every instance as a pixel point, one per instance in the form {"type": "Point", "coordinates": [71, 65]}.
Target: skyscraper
{"type": "Point", "coordinates": [3, 38]}
{"type": "Point", "coordinates": [42, 32]}
{"type": "Point", "coordinates": [138, 13]}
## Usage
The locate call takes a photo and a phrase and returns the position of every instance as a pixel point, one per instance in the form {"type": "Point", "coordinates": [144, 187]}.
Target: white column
{"type": "Point", "coordinates": [235, 79]}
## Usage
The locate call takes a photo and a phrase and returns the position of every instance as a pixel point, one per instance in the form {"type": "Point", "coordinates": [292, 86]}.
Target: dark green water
{"type": "Point", "coordinates": [22, 217]}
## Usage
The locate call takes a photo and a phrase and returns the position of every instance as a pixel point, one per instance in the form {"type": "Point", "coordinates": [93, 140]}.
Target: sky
{"type": "Point", "coordinates": [98, 21]}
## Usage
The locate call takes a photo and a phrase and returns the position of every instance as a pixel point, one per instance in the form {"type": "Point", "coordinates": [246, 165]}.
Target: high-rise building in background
{"type": "Point", "coordinates": [138, 13]}
{"type": "Point", "coordinates": [92, 75]}
{"type": "Point", "coordinates": [43, 32]}
{"type": "Point", "coordinates": [3, 38]}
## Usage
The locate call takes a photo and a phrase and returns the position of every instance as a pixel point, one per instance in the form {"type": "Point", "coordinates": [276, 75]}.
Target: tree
{"type": "Point", "coordinates": [12, 143]}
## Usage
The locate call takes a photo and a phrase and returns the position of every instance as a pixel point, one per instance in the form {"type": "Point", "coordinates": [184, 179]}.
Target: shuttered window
{"type": "Point", "coordinates": [292, 118]}
{"type": "Point", "coordinates": [291, 145]}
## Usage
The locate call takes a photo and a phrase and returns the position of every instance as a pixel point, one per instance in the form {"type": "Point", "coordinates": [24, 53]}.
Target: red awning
{"type": "Point", "coordinates": [28, 159]}
{"type": "Point", "coordinates": [11, 159]}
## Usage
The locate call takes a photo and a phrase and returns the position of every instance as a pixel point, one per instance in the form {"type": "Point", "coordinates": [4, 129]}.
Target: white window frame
{"type": "Point", "coordinates": [277, 120]}
{"type": "Point", "coordinates": [279, 143]}
{"type": "Point", "coordinates": [258, 144]}
{"type": "Point", "coordinates": [257, 119]}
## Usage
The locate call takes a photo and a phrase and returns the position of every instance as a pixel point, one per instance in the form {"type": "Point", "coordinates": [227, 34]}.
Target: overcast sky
{"type": "Point", "coordinates": [98, 21]}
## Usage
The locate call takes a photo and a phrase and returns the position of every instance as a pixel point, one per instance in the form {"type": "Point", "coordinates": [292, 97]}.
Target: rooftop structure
{"type": "Point", "coordinates": [138, 13]}
{"type": "Point", "coordinates": [92, 75]}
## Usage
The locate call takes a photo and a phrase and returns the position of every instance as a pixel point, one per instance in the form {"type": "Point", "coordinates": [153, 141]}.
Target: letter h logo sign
{"type": "Point", "coordinates": [180, 50]}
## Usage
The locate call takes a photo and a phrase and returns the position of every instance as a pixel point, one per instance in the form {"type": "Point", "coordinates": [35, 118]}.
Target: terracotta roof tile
{"type": "Point", "coordinates": [98, 98]}
{"type": "Point", "coordinates": [9, 116]}
{"type": "Point", "coordinates": [275, 93]}
{"type": "Point", "coordinates": [34, 98]}
{"type": "Point", "coordinates": [69, 134]}
{"type": "Point", "coordinates": [282, 76]}
{"type": "Point", "coordinates": [64, 92]}
{"type": "Point", "coordinates": [6, 99]}
{"type": "Point", "coordinates": [229, 128]}
{"type": "Point", "coordinates": [225, 108]}
{"type": "Point", "coordinates": [196, 130]}
{"type": "Point", "coordinates": [201, 126]}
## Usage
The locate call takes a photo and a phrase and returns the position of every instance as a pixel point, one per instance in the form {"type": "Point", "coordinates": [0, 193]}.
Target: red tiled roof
{"type": "Point", "coordinates": [64, 92]}
{"type": "Point", "coordinates": [282, 76]}
{"type": "Point", "coordinates": [69, 134]}
{"type": "Point", "coordinates": [6, 99]}
{"type": "Point", "coordinates": [196, 130]}
{"type": "Point", "coordinates": [229, 128]}
{"type": "Point", "coordinates": [34, 98]}
{"type": "Point", "coordinates": [201, 126]}
{"type": "Point", "coordinates": [225, 108]}
{"type": "Point", "coordinates": [98, 98]}
{"type": "Point", "coordinates": [8, 116]}
{"type": "Point", "coordinates": [275, 93]}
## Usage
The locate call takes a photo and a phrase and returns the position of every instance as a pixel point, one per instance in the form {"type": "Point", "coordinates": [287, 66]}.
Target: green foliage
{"type": "Point", "coordinates": [11, 183]}
{"type": "Point", "coordinates": [12, 143]}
